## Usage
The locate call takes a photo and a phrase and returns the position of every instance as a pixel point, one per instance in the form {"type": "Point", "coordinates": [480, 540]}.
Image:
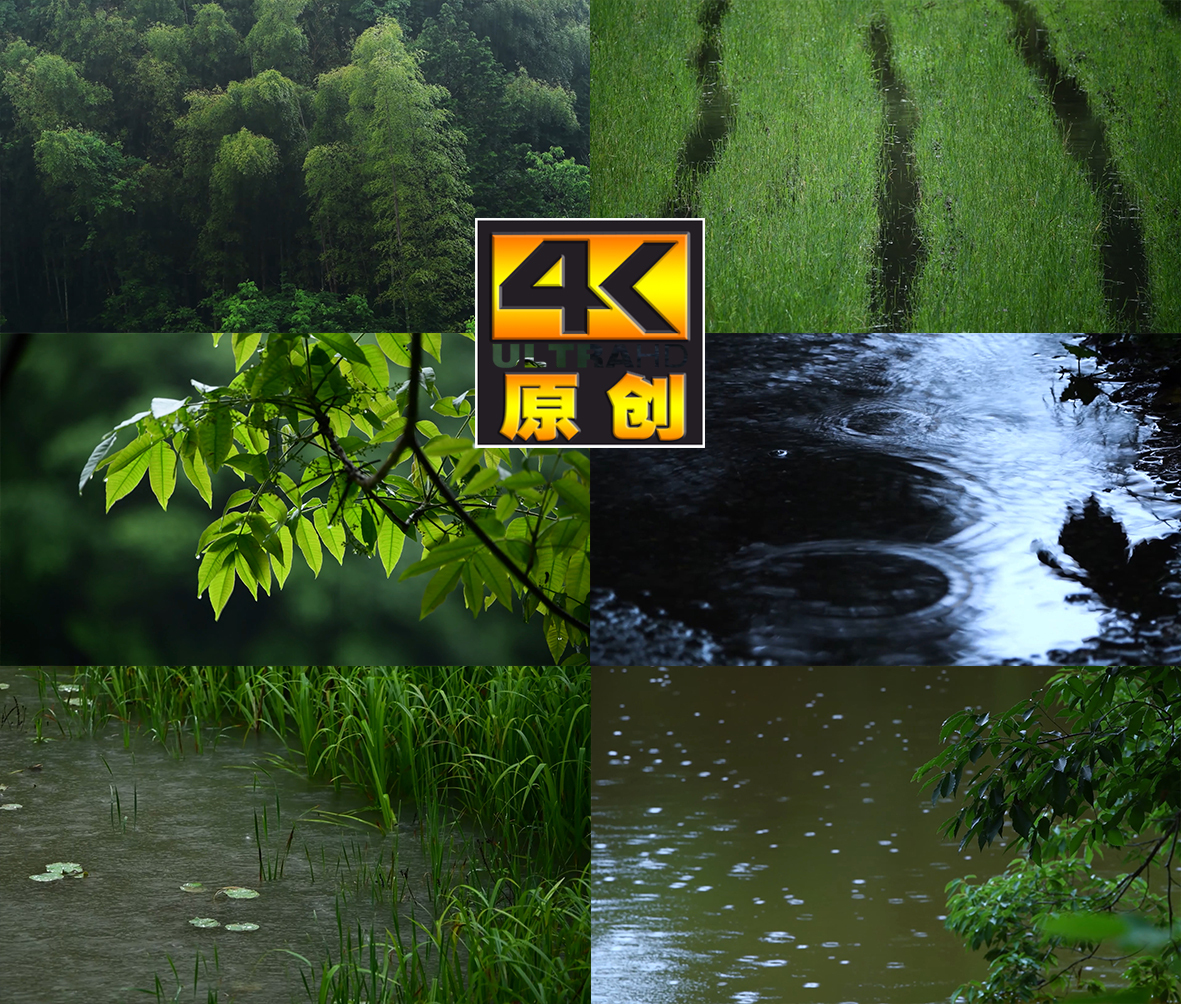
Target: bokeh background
{"type": "Point", "coordinates": [80, 586]}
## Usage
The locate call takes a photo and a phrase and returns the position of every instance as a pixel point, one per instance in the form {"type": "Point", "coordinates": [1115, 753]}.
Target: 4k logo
{"type": "Point", "coordinates": [619, 279]}
{"type": "Point", "coordinates": [590, 333]}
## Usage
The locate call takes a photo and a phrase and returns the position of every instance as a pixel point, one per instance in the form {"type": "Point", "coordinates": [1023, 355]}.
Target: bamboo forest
{"type": "Point", "coordinates": [276, 164]}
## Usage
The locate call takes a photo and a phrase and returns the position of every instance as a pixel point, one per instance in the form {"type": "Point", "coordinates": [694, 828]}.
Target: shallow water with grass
{"type": "Point", "coordinates": [159, 835]}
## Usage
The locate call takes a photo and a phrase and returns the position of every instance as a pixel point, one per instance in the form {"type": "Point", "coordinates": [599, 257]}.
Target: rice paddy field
{"type": "Point", "coordinates": [295, 833]}
{"type": "Point", "coordinates": [920, 165]}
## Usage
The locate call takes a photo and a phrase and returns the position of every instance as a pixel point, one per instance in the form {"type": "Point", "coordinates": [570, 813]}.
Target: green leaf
{"type": "Point", "coordinates": [578, 576]}
{"type": "Point", "coordinates": [483, 479]}
{"type": "Point", "coordinates": [396, 347]}
{"type": "Point", "coordinates": [1085, 926]}
{"type": "Point", "coordinates": [253, 464]}
{"type": "Point", "coordinates": [442, 582]}
{"type": "Point", "coordinates": [274, 373]}
{"type": "Point", "coordinates": [196, 471]}
{"type": "Point", "coordinates": [162, 471]}
{"type": "Point", "coordinates": [309, 543]}
{"type": "Point", "coordinates": [333, 536]}
{"type": "Point", "coordinates": [282, 565]}
{"type": "Point", "coordinates": [221, 584]}
{"type": "Point", "coordinates": [162, 407]}
{"type": "Point", "coordinates": [433, 345]}
{"type": "Point", "coordinates": [244, 346]}
{"type": "Point", "coordinates": [256, 558]}
{"type": "Point", "coordinates": [574, 493]}
{"type": "Point", "coordinates": [390, 541]}
{"type": "Point", "coordinates": [215, 436]}
{"type": "Point", "coordinates": [446, 446]}
{"type": "Point", "coordinates": [131, 452]}
{"type": "Point", "coordinates": [444, 553]}
{"type": "Point", "coordinates": [122, 481]}
{"type": "Point", "coordinates": [95, 459]}
{"type": "Point", "coordinates": [496, 576]}
{"type": "Point", "coordinates": [345, 346]}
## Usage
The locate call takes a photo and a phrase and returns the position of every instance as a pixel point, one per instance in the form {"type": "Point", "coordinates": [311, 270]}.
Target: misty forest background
{"type": "Point", "coordinates": [276, 164]}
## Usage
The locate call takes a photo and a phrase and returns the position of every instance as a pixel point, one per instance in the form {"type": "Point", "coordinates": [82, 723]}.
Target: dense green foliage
{"type": "Point", "coordinates": [502, 523]}
{"type": "Point", "coordinates": [504, 750]}
{"type": "Point", "coordinates": [157, 154]}
{"type": "Point", "coordinates": [1091, 763]}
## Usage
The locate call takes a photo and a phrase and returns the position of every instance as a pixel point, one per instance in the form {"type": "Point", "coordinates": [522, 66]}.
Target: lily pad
{"type": "Point", "coordinates": [204, 922]}
{"type": "Point", "coordinates": [193, 887]}
{"type": "Point", "coordinates": [4, 686]}
{"type": "Point", "coordinates": [245, 926]}
{"type": "Point", "coordinates": [46, 877]}
{"type": "Point", "coordinates": [239, 892]}
{"type": "Point", "coordinates": [65, 867]}
{"type": "Point", "coordinates": [68, 688]}
{"type": "Point", "coordinates": [12, 805]}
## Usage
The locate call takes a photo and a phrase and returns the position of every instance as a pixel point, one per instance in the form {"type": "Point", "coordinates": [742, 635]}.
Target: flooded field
{"type": "Point", "coordinates": [165, 862]}
{"type": "Point", "coordinates": [885, 499]}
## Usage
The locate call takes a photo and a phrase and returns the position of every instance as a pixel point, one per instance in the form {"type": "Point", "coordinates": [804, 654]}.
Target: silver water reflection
{"type": "Point", "coordinates": [757, 837]}
{"type": "Point", "coordinates": [867, 499]}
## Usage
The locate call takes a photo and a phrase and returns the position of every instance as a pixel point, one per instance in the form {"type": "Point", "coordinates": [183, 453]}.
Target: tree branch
{"type": "Point", "coordinates": [408, 439]}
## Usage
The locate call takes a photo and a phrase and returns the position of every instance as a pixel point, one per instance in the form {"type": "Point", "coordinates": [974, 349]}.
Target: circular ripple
{"type": "Point", "coordinates": [850, 580]}
{"type": "Point", "coordinates": [883, 421]}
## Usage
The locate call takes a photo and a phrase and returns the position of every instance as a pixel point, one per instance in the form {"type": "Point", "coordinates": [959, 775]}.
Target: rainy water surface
{"type": "Point", "coordinates": [142, 823]}
{"type": "Point", "coordinates": [757, 837]}
{"type": "Point", "coordinates": [867, 499]}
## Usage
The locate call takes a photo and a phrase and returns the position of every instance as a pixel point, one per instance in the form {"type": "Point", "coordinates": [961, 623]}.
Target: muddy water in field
{"type": "Point", "coordinates": [900, 249]}
{"type": "Point", "coordinates": [706, 140]}
{"type": "Point", "coordinates": [874, 499]}
{"type": "Point", "coordinates": [142, 822]}
{"type": "Point", "coordinates": [757, 837]}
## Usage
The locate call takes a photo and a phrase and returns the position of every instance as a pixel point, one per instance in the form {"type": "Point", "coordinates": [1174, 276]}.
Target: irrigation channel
{"type": "Point", "coordinates": [892, 500]}
{"type": "Point", "coordinates": [707, 137]}
{"type": "Point", "coordinates": [757, 836]}
{"type": "Point", "coordinates": [208, 867]}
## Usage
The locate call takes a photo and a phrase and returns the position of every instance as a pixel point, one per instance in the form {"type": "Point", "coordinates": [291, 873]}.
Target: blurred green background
{"type": "Point", "coordinates": [78, 586]}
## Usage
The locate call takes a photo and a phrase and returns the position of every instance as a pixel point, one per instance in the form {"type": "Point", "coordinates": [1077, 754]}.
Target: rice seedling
{"type": "Point", "coordinates": [1128, 58]}
{"type": "Point", "coordinates": [644, 97]}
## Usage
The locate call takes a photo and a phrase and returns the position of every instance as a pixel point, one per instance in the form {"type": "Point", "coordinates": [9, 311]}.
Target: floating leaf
{"type": "Point", "coordinates": [239, 892]}
{"type": "Point", "coordinates": [193, 887]}
{"type": "Point", "coordinates": [204, 922]}
{"type": "Point", "coordinates": [12, 805]}
{"type": "Point", "coordinates": [64, 867]}
{"type": "Point", "coordinates": [46, 877]}
{"type": "Point", "coordinates": [245, 926]}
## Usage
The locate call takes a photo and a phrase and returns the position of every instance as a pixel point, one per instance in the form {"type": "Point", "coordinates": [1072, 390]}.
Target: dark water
{"type": "Point", "coordinates": [186, 820]}
{"type": "Point", "coordinates": [757, 837]}
{"type": "Point", "coordinates": [900, 249]}
{"type": "Point", "coordinates": [874, 499]}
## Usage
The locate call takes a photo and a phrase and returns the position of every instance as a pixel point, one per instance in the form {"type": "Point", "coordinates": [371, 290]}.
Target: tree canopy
{"type": "Point", "coordinates": [1092, 764]}
{"type": "Point", "coordinates": [160, 153]}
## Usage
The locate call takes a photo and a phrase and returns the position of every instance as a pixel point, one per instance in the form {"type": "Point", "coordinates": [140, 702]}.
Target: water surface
{"type": "Point", "coordinates": [871, 499]}
{"type": "Point", "coordinates": [757, 838]}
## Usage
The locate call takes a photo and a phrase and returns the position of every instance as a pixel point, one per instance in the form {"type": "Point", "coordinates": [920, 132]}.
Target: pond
{"type": "Point", "coordinates": [142, 822]}
{"type": "Point", "coordinates": [877, 499]}
{"type": "Point", "coordinates": [756, 835]}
